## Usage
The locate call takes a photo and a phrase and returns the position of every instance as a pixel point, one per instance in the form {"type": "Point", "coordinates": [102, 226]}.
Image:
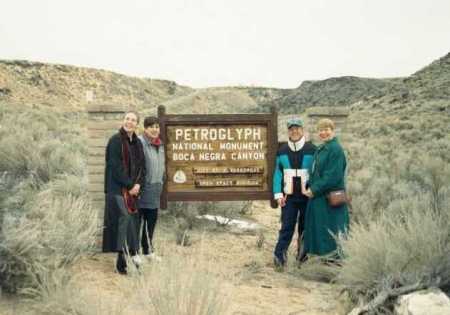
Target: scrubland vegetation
{"type": "Point", "coordinates": [399, 181]}
{"type": "Point", "coordinates": [47, 226]}
{"type": "Point", "coordinates": [46, 222]}
{"type": "Point", "coordinates": [399, 236]}
{"type": "Point", "coordinates": [397, 142]}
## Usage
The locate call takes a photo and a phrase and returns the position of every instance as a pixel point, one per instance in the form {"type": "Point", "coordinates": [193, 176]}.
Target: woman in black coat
{"type": "Point", "coordinates": [124, 177]}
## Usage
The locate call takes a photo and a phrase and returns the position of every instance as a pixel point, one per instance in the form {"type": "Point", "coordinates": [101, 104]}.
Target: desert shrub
{"type": "Point", "coordinates": [439, 148]}
{"type": "Point", "coordinates": [68, 185]}
{"type": "Point", "coordinates": [407, 246]}
{"type": "Point", "coordinates": [399, 236]}
{"type": "Point", "coordinates": [182, 233]}
{"type": "Point", "coordinates": [60, 293]}
{"type": "Point", "coordinates": [46, 222]}
{"type": "Point", "coordinates": [230, 209]}
{"type": "Point", "coordinates": [401, 248]}
{"type": "Point", "coordinates": [46, 157]}
{"type": "Point", "coordinates": [52, 232]}
{"type": "Point", "coordinates": [188, 212]}
{"type": "Point", "coordinates": [186, 216]}
{"type": "Point", "coordinates": [185, 212]}
{"type": "Point", "coordinates": [182, 285]}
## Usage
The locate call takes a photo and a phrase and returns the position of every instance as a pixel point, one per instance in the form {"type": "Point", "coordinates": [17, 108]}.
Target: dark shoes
{"type": "Point", "coordinates": [334, 262]}
{"type": "Point", "coordinates": [121, 264]}
{"type": "Point", "coordinates": [301, 257]}
{"type": "Point", "coordinates": [279, 263]}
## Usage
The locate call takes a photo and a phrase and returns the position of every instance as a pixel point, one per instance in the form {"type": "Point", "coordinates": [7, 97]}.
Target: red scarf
{"type": "Point", "coordinates": [130, 201]}
{"type": "Point", "coordinates": [155, 141]}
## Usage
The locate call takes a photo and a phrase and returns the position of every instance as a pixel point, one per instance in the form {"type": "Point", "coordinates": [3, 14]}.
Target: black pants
{"type": "Point", "coordinates": [291, 214]}
{"type": "Point", "coordinates": [149, 218]}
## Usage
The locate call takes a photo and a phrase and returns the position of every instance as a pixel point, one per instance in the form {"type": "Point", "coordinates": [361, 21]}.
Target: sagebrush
{"type": "Point", "coordinates": [46, 220]}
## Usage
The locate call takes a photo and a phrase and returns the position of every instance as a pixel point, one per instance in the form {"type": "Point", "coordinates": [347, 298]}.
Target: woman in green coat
{"type": "Point", "coordinates": [327, 174]}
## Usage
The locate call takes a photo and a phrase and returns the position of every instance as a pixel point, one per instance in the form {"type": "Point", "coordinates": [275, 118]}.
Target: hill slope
{"type": "Point", "coordinates": [223, 100]}
{"type": "Point", "coordinates": [70, 88]}
{"type": "Point", "coordinates": [430, 85]}
{"type": "Point", "coordinates": [340, 91]}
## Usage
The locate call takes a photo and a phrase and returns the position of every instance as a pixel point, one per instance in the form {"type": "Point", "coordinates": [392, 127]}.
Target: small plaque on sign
{"type": "Point", "coordinates": [179, 177]}
{"type": "Point", "coordinates": [205, 183]}
{"type": "Point", "coordinates": [227, 170]}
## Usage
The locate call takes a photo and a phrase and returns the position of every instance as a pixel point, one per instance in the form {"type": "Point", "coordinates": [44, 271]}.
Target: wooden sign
{"type": "Point", "coordinates": [218, 157]}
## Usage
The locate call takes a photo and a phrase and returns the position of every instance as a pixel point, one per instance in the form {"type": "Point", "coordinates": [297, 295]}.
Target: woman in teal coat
{"type": "Point", "coordinates": [327, 174]}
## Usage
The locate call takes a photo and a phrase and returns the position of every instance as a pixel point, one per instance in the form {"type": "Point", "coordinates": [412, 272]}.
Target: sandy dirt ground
{"type": "Point", "coordinates": [246, 271]}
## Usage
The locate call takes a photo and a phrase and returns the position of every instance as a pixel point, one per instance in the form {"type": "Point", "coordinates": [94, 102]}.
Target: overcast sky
{"type": "Point", "coordinates": [204, 43]}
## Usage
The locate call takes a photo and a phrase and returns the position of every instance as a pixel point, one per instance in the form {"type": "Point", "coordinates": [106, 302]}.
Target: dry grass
{"type": "Point", "coordinates": [53, 232]}
{"type": "Point", "coordinates": [46, 219]}
{"type": "Point", "coordinates": [182, 285]}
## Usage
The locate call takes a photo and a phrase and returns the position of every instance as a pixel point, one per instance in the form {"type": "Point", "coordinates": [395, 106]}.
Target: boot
{"type": "Point", "coordinates": [121, 263]}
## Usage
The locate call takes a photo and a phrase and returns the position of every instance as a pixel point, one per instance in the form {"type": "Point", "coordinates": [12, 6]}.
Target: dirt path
{"type": "Point", "coordinates": [246, 270]}
{"type": "Point", "coordinates": [266, 291]}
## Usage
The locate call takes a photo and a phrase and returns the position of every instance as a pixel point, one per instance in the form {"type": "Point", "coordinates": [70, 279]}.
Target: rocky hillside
{"type": "Point", "coordinates": [224, 100]}
{"type": "Point", "coordinates": [430, 86]}
{"type": "Point", "coordinates": [433, 81]}
{"type": "Point", "coordinates": [428, 90]}
{"type": "Point", "coordinates": [340, 91]}
{"type": "Point", "coordinates": [71, 88]}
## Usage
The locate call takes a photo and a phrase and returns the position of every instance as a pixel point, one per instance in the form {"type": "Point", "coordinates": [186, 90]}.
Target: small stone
{"type": "Point", "coordinates": [426, 302]}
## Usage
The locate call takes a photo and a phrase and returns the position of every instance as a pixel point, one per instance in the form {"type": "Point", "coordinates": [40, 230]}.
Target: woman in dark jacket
{"type": "Point", "coordinates": [124, 177]}
{"type": "Point", "coordinates": [327, 174]}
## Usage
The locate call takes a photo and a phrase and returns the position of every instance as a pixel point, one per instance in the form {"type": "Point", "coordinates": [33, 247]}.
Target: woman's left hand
{"type": "Point", "coordinates": [308, 193]}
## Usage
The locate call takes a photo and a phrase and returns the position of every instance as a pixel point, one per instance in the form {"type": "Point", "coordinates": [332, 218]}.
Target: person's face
{"type": "Point", "coordinates": [152, 131]}
{"type": "Point", "coordinates": [130, 122]}
{"type": "Point", "coordinates": [326, 134]}
{"type": "Point", "coordinates": [295, 133]}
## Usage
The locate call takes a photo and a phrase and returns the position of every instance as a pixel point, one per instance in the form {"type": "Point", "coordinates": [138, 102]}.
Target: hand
{"type": "Point", "coordinates": [135, 190]}
{"type": "Point", "coordinates": [303, 188]}
{"type": "Point", "coordinates": [308, 193]}
{"type": "Point", "coordinates": [281, 201]}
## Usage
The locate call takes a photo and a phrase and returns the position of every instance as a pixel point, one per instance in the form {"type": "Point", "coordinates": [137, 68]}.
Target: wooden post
{"type": "Point", "coordinates": [338, 115]}
{"type": "Point", "coordinates": [103, 122]}
{"type": "Point", "coordinates": [274, 112]}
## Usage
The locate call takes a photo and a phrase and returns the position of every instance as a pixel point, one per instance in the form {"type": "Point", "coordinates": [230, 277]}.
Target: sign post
{"type": "Point", "coordinates": [218, 157]}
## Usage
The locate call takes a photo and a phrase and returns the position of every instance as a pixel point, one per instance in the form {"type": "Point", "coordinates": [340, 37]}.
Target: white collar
{"type": "Point", "coordinates": [296, 146]}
